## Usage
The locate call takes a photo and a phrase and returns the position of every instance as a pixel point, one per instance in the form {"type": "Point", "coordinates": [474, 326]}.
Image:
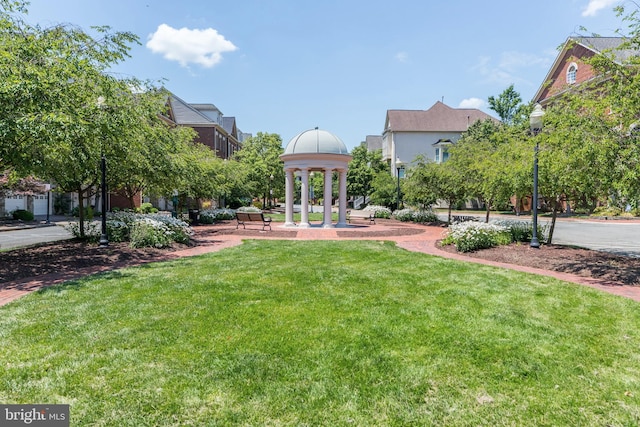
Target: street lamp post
{"type": "Point", "coordinates": [104, 241]}
{"type": "Point", "coordinates": [47, 188]}
{"type": "Point", "coordinates": [399, 166]}
{"type": "Point", "coordinates": [271, 191]}
{"type": "Point", "coordinates": [535, 123]}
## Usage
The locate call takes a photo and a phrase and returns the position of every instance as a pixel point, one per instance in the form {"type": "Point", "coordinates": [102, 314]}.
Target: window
{"type": "Point", "coordinates": [571, 73]}
{"type": "Point", "coordinates": [442, 154]}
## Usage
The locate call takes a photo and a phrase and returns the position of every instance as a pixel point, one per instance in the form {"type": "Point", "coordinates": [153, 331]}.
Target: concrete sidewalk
{"type": "Point", "coordinates": [412, 237]}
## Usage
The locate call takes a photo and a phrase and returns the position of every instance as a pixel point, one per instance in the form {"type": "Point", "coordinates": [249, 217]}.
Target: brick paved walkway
{"type": "Point", "coordinates": [411, 237]}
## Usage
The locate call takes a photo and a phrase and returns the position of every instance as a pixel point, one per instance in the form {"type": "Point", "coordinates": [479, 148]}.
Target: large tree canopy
{"type": "Point", "coordinates": [260, 157]}
{"type": "Point", "coordinates": [61, 110]}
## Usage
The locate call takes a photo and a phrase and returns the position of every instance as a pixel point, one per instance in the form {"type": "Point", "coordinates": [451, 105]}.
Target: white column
{"type": "Point", "coordinates": [289, 186]}
{"type": "Point", "coordinates": [342, 194]}
{"type": "Point", "coordinates": [328, 180]}
{"type": "Point", "coordinates": [304, 198]}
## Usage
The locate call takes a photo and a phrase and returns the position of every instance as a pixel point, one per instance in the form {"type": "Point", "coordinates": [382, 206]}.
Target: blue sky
{"type": "Point", "coordinates": [285, 66]}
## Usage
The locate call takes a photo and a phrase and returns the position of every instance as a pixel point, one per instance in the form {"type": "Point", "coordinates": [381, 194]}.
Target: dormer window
{"type": "Point", "coordinates": [571, 73]}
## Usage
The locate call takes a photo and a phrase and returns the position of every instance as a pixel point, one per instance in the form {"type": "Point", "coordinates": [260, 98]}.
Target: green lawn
{"type": "Point", "coordinates": [324, 333]}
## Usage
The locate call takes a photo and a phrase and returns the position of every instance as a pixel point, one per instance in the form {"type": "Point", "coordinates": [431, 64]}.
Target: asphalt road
{"type": "Point", "coordinates": [616, 236]}
{"type": "Point", "coordinates": [32, 236]}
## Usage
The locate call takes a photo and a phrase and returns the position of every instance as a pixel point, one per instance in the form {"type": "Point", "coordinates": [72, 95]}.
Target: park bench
{"type": "Point", "coordinates": [463, 218]}
{"type": "Point", "coordinates": [248, 217]}
{"type": "Point", "coordinates": [367, 216]}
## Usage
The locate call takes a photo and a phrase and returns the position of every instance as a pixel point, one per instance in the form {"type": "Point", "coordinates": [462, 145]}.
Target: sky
{"type": "Point", "coordinates": [286, 66]}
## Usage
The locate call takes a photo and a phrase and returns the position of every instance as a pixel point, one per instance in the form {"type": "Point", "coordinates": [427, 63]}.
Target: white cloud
{"type": "Point", "coordinates": [204, 47]}
{"type": "Point", "coordinates": [471, 103]}
{"type": "Point", "coordinates": [511, 68]}
{"type": "Point", "coordinates": [512, 61]}
{"type": "Point", "coordinates": [402, 56]}
{"type": "Point", "coordinates": [595, 6]}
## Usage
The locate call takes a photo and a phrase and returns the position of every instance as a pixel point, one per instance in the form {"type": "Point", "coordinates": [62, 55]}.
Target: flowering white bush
{"type": "Point", "coordinates": [421, 216]}
{"type": "Point", "coordinates": [210, 216]}
{"type": "Point", "coordinates": [378, 211]}
{"type": "Point", "coordinates": [142, 230]}
{"type": "Point", "coordinates": [147, 232]}
{"type": "Point", "coordinates": [522, 231]}
{"type": "Point", "coordinates": [471, 235]}
{"type": "Point", "coordinates": [248, 209]}
{"type": "Point", "coordinates": [118, 231]}
{"type": "Point", "coordinates": [92, 230]}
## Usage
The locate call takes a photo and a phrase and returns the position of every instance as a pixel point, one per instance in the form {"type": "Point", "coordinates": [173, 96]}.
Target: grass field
{"type": "Point", "coordinates": [324, 333]}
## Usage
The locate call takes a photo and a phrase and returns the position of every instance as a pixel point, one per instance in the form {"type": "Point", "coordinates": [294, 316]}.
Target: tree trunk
{"type": "Point", "coordinates": [130, 197]}
{"type": "Point", "coordinates": [488, 205]}
{"type": "Point", "coordinates": [554, 215]}
{"type": "Point", "coordinates": [30, 204]}
{"type": "Point", "coordinates": [81, 212]}
{"type": "Point", "coordinates": [450, 209]}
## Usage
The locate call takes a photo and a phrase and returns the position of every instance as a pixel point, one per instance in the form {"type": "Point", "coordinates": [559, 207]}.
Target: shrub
{"type": "Point", "coordinates": [471, 236]}
{"type": "Point", "coordinates": [117, 231]}
{"type": "Point", "coordinates": [124, 226]}
{"type": "Point", "coordinates": [92, 230]}
{"type": "Point", "coordinates": [88, 212]}
{"type": "Point", "coordinates": [522, 231]}
{"type": "Point", "coordinates": [607, 211]}
{"type": "Point", "coordinates": [209, 216]}
{"type": "Point", "coordinates": [421, 216]}
{"type": "Point", "coordinates": [248, 209]}
{"type": "Point", "coordinates": [146, 208]}
{"type": "Point", "coordinates": [378, 211]}
{"type": "Point", "coordinates": [148, 232]}
{"type": "Point", "coordinates": [404, 215]}
{"type": "Point", "coordinates": [22, 215]}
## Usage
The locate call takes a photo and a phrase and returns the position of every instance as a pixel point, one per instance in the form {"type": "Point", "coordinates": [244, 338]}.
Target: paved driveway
{"type": "Point", "coordinates": [616, 236]}
{"type": "Point", "coordinates": [31, 236]}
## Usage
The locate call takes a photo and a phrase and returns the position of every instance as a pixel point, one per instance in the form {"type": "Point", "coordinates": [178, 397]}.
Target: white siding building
{"type": "Point", "coordinates": [409, 133]}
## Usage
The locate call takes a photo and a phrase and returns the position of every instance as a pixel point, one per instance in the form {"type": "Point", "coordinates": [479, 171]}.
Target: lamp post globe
{"type": "Point", "coordinates": [535, 123]}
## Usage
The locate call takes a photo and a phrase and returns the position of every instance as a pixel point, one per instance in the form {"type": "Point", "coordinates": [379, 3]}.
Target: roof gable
{"type": "Point", "coordinates": [438, 118]}
{"type": "Point", "coordinates": [576, 49]}
{"type": "Point", "coordinates": [229, 125]}
{"type": "Point", "coordinates": [184, 114]}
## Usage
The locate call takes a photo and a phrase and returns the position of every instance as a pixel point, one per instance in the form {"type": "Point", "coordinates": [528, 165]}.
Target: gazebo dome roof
{"type": "Point", "coordinates": [316, 141]}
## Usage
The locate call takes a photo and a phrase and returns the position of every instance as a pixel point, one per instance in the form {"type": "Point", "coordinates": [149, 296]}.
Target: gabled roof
{"type": "Point", "coordinates": [229, 125]}
{"type": "Point", "coordinates": [596, 45]}
{"type": "Point", "coordinates": [438, 118]}
{"type": "Point", "coordinates": [606, 44]}
{"type": "Point", "coordinates": [185, 114]}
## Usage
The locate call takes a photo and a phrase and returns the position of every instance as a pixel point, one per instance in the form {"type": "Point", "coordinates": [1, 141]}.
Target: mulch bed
{"type": "Point", "coordinates": [583, 262]}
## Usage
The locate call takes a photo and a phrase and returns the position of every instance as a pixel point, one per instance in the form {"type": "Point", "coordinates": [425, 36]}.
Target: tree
{"type": "Point", "coordinates": [451, 185]}
{"type": "Point", "coordinates": [51, 81]}
{"type": "Point", "coordinates": [150, 155]}
{"type": "Point", "coordinates": [260, 155]}
{"type": "Point", "coordinates": [421, 183]}
{"type": "Point", "coordinates": [479, 157]}
{"type": "Point", "coordinates": [506, 105]}
{"type": "Point", "coordinates": [385, 191]}
{"type": "Point", "coordinates": [363, 167]}
{"type": "Point", "coordinates": [577, 157]}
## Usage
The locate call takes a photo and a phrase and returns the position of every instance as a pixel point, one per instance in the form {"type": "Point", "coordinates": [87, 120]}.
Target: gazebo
{"type": "Point", "coordinates": [315, 150]}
